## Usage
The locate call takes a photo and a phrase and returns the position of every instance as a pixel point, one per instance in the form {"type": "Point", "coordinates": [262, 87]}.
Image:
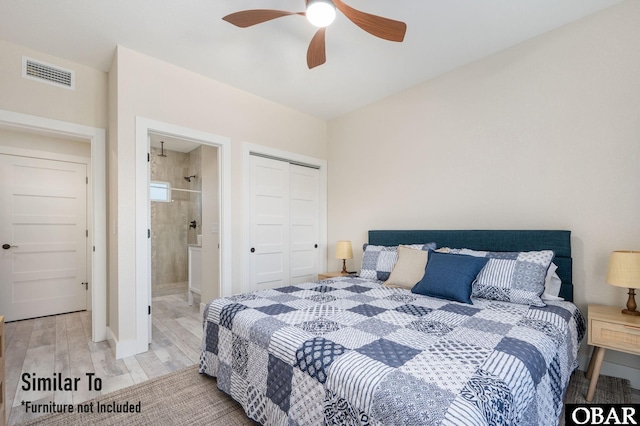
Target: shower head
{"type": "Point", "coordinates": [188, 178]}
{"type": "Point", "coordinates": [162, 154]}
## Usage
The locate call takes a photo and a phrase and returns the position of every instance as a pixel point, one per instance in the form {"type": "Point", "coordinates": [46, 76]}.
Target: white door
{"type": "Point", "coordinates": [305, 222]}
{"type": "Point", "coordinates": [43, 227]}
{"type": "Point", "coordinates": [269, 223]}
{"type": "Point", "coordinates": [284, 223]}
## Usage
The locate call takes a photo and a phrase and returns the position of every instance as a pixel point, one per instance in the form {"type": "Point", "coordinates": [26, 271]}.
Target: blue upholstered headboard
{"type": "Point", "coordinates": [489, 240]}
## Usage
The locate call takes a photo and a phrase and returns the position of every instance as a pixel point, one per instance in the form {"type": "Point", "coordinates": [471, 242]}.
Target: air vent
{"type": "Point", "coordinates": [46, 73]}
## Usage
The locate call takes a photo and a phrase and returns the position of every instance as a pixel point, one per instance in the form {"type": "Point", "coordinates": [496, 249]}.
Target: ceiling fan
{"type": "Point", "coordinates": [321, 13]}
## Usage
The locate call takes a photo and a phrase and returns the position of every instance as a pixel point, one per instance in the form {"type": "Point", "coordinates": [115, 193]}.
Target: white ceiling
{"type": "Point", "coordinates": [269, 59]}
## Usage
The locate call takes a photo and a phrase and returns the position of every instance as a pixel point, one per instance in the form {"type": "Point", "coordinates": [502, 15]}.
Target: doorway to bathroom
{"type": "Point", "coordinates": [184, 193]}
{"type": "Point", "coordinates": [216, 224]}
{"type": "Point", "coordinates": [183, 173]}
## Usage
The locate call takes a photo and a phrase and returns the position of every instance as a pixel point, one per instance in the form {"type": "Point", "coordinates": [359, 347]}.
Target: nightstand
{"type": "Point", "coordinates": [328, 275]}
{"type": "Point", "coordinates": [609, 328]}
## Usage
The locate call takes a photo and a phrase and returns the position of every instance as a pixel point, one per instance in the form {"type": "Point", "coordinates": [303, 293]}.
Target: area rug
{"type": "Point", "coordinates": [186, 397]}
{"type": "Point", "coordinates": [610, 390]}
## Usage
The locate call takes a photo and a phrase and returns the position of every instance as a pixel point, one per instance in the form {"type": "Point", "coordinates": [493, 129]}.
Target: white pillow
{"type": "Point", "coordinates": [552, 283]}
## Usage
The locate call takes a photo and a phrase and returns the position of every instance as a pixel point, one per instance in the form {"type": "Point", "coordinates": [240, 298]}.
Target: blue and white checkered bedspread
{"type": "Point", "coordinates": [351, 352]}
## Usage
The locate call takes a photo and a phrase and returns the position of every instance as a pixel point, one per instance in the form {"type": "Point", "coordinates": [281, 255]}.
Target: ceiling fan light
{"type": "Point", "coordinates": [321, 13]}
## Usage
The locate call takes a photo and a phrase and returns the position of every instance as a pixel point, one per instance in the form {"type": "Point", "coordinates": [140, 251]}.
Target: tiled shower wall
{"type": "Point", "coordinates": [170, 232]}
{"type": "Point", "coordinates": [195, 206]}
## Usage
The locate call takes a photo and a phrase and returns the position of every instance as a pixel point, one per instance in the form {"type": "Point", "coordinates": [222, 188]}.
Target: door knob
{"type": "Point", "coordinates": [8, 246]}
{"type": "Point", "coordinates": [253, 250]}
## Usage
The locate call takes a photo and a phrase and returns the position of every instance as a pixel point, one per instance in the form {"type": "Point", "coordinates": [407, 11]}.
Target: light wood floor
{"type": "Point", "coordinates": [62, 343]}
{"type": "Point", "coordinates": [171, 288]}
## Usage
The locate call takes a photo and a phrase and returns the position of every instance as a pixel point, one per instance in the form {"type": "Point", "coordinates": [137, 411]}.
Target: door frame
{"type": "Point", "coordinates": [145, 126]}
{"type": "Point", "coordinates": [247, 149]}
{"type": "Point", "coordinates": [97, 205]}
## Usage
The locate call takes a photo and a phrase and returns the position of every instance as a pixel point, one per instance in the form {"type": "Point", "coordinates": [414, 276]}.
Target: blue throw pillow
{"type": "Point", "coordinates": [450, 276]}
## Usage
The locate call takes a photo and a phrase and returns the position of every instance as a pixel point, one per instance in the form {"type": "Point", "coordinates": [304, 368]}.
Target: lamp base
{"type": "Point", "coordinates": [631, 304]}
{"type": "Point", "coordinates": [344, 270]}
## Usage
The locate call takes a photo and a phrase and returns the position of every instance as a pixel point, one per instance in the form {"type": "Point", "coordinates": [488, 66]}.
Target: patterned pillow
{"type": "Point", "coordinates": [516, 277]}
{"type": "Point", "coordinates": [378, 261]}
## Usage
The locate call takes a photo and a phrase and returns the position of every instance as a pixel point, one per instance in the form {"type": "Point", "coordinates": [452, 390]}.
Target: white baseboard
{"type": "Point", "coordinates": [121, 349]}
{"type": "Point", "coordinates": [614, 370]}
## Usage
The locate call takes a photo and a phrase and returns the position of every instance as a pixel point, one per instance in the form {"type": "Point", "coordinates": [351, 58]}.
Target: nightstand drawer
{"type": "Point", "coordinates": [618, 336]}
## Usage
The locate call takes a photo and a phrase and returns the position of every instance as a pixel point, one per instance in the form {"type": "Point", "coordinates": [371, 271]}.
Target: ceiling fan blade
{"type": "Point", "coordinates": [247, 18]}
{"type": "Point", "coordinates": [378, 26]}
{"type": "Point", "coordinates": [316, 54]}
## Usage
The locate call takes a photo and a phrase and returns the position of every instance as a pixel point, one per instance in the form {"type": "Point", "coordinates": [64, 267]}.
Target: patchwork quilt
{"type": "Point", "coordinates": [349, 351]}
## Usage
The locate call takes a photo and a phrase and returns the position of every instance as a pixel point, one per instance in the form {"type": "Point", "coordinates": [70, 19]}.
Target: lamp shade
{"type": "Point", "coordinates": [343, 250]}
{"type": "Point", "coordinates": [624, 269]}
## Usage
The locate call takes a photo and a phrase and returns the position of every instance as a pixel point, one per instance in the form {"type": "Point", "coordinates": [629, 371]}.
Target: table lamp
{"type": "Point", "coordinates": [624, 271]}
{"type": "Point", "coordinates": [344, 252]}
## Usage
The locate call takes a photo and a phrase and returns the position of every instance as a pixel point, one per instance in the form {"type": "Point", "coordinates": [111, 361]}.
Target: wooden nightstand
{"type": "Point", "coordinates": [328, 275]}
{"type": "Point", "coordinates": [609, 328]}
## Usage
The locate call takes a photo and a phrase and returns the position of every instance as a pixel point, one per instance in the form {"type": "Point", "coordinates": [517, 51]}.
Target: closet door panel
{"type": "Point", "coordinates": [270, 220]}
{"type": "Point", "coordinates": [304, 201]}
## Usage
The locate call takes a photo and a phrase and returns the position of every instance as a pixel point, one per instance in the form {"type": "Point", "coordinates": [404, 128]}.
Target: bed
{"type": "Point", "coordinates": [350, 350]}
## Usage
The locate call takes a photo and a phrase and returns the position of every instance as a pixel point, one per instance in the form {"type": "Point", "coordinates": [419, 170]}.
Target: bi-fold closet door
{"type": "Point", "coordinates": [285, 200]}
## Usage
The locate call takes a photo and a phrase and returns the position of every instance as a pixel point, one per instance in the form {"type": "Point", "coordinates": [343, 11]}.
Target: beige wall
{"type": "Point", "coordinates": [210, 221]}
{"type": "Point", "coordinates": [544, 135]}
{"type": "Point", "coordinates": [87, 104]}
{"type": "Point", "coordinates": [38, 142]}
{"type": "Point", "coordinates": [112, 201]}
{"type": "Point", "coordinates": [157, 90]}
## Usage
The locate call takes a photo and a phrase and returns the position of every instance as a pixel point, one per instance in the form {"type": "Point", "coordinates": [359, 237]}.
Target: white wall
{"type": "Point", "coordinates": [544, 135]}
{"type": "Point", "coordinates": [87, 104]}
{"type": "Point", "coordinates": [210, 218]}
{"type": "Point", "coordinates": [157, 90]}
{"type": "Point", "coordinates": [38, 142]}
{"type": "Point", "coordinates": [112, 200]}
